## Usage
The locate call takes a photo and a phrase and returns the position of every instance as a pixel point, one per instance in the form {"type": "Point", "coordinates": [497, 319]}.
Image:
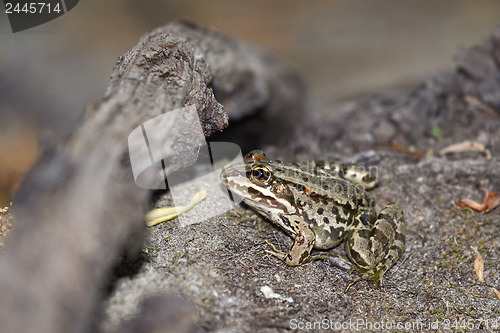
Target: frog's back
{"type": "Point", "coordinates": [320, 183]}
{"type": "Point", "coordinates": [328, 202]}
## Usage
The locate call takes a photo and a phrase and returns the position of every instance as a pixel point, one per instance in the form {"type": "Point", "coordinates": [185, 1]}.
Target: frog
{"type": "Point", "coordinates": [320, 205]}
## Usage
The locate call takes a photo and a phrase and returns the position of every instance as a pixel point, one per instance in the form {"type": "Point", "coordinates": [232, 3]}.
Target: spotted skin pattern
{"type": "Point", "coordinates": [321, 204]}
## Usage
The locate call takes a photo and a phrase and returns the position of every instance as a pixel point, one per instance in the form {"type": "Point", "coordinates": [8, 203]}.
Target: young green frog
{"type": "Point", "coordinates": [320, 204]}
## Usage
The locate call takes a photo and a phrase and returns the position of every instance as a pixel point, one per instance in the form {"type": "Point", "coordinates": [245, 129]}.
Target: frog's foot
{"type": "Point", "coordinates": [275, 251]}
{"type": "Point", "coordinates": [288, 258]}
{"type": "Point", "coordinates": [312, 258]}
{"type": "Point", "coordinates": [376, 275]}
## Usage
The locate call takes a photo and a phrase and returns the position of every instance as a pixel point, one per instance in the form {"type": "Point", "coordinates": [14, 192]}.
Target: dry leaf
{"type": "Point", "coordinates": [404, 149]}
{"type": "Point", "coordinates": [466, 146]}
{"type": "Point", "coordinates": [159, 215]}
{"type": "Point", "coordinates": [490, 201]}
{"type": "Point", "coordinates": [474, 102]}
{"type": "Point", "coordinates": [497, 293]}
{"type": "Point", "coordinates": [479, 267]}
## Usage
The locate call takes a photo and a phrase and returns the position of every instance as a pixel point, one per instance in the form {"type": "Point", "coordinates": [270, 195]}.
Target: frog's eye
{"type": "Point", "coordinates": [261, 173]}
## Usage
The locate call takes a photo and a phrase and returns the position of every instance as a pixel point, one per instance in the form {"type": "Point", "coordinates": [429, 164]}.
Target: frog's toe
{"type": "Point", "coordinates": [373, 275]}
{"type": "Point", "coordinates": [378, 277]}
{"type": "Point", "coordinates": [312, 258]}
{"type": "Point", "coordinates": [356, 279]}
{"type": "Point", "coordinates": [279, 255]}
{"type": "Point", "coordinates": [356, 268]}
{"type": "Point", "coordinates": [272, 246]}
{"type": "Point", "coordinates": [274, 250]}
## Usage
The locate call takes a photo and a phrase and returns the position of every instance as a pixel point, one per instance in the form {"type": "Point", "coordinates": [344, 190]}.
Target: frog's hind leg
{"type": "Point", "coordinates": [375, 250]}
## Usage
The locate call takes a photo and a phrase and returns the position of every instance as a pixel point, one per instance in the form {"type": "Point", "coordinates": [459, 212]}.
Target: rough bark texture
{"type": "Point", "coordinates": [79, 209]}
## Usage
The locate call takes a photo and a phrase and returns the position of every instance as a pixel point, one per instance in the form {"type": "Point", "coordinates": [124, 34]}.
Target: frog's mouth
{"type": "Point", "coordinates": [261, 198]}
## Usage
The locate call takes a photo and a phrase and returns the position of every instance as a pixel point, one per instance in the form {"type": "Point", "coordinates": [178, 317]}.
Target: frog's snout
{"type": "Point", "coordinates": [223, 175]}
{"type": "Point", "coordinates": [229, 172]}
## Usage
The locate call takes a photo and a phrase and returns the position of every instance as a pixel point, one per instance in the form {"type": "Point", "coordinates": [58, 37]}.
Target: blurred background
{"type": "Point", "coordinates": [343, 49]}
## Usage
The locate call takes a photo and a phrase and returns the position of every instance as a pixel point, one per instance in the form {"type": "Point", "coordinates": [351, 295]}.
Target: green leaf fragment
{"type": "Point", "coordinates": [436, 132]}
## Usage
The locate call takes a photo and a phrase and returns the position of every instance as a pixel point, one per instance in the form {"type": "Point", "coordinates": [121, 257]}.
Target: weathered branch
{"type": "Point", "coordinates": [79, 207]}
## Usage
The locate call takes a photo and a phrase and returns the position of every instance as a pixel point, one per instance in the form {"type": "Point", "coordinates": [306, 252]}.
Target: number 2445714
{"type": "Point", "coordinates": [32, 8]}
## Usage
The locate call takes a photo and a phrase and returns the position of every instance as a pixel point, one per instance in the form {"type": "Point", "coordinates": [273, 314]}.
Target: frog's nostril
{"type": "Point", "coordinates": [229, 173]}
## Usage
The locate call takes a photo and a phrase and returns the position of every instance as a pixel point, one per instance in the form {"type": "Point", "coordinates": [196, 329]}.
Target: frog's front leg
{"type": "Point", "coordinates": [375, 250]}
{"type": "Point", "coordinates": [304, 240]}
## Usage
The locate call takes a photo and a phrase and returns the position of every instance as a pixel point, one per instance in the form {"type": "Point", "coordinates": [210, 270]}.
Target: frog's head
{"type": "Point", "coordinates": [256, 184]}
